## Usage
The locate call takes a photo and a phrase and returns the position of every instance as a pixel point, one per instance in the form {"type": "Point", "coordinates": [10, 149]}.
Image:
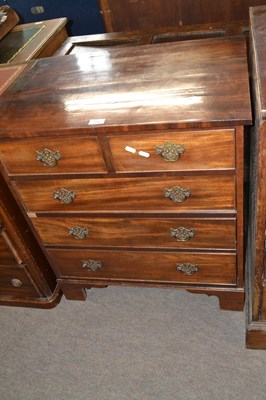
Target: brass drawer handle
{"type": "Point", "coordinates": [182, 234]}
{"type": "Point", "coordinates": [64, 196]}
{"type": "Point", "coordinates": [170, 151]}
{"type": "Point", "coordinates": [16, 282]}
{"type": "Point", "coordinates": [78, 232]}
{"type": "Point", "coordinates": [48, 157]}
{"type": "Point", "coordinates": [92, 265]}
{"type": "Point", "coordinates": [187, 268]}
{"type": "Point", "coordinates": [177, 194]}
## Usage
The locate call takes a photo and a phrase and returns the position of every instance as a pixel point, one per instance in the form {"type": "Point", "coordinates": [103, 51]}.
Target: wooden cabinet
{"type": "Point", "coordinates": [130, 15]}
{"type": "Point", "coordinates": [256, 254]}
{"type": "Point", "coordinates": [26, 278]}
{"type": "Point", "coordinates": [131, 171]}
{"type": "Point", "coordinates": [86, 43]}
{"type": "Point", "coordinates": [33, 40]}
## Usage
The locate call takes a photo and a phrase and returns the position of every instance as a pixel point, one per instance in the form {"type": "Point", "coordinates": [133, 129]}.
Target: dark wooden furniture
{"type": "Point", "coordinates": [83, 44]}
{"type": "Point", "coordinates": [33, 40]}
{"type": "Point", "coordinates": [131, 171]}
{"type": "Point", "coordinates": [256, 255]}
{"type": "Point", "coordinates": [130, 15]}
{"type": "Point", "coordinates": [26, 278]}
{"type": "Point", "coordinates": [8, 19]}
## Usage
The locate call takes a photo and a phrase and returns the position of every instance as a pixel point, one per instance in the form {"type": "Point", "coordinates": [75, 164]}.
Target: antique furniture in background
{"type": "Point", "coordinates": [131, 172]}
{"type": "Point", "coordinates": [256, 253]}
{"type": "Point", "coordinates": [143, 15]}
{"type": "Point", "coordinates": [34, 40]}
{"type": "Point", "coordinates": [26, 278]}
{"type": "Point", "coordinates": [83, 44]}
{"type": "Point", "coordinates": [8, 19]}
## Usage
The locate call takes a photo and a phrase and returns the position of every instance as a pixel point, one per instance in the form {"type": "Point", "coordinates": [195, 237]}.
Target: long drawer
{"type": "Point", "coordinates": [179, 233]}
{"type": "Point", "coordinates": [171, 194]}
{"type": "Point", "coordinates": [182, 151]}
{"type": "Point", "coordinates": [183, 268]}
{"type": "Point", "coordinates": [15, 282]}
{"type": "Point", "coordinates": [52, 156]}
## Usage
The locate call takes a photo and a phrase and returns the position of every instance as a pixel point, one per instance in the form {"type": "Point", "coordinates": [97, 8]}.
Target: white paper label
{"type": "Point", "coordinates": [98, 121]}
{"type": "Point", "coordinates": [130, 149]}
{"type": "Point", "coordinates": [144, 154]}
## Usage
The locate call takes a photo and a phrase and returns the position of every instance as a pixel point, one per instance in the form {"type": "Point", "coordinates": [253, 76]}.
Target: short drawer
{"type": "Point", "coordinates": [15, 282]}
{"type": "Point", "coordinates": [52, 156]}
{"type": "Point", "coordinates": [174, 194]}
{"type": "Point", "coordinates": [176, 233]}
{"type": "Point", "coordinates": [182, 151]}
{"type": "Point", "coordinates": [183, 268]}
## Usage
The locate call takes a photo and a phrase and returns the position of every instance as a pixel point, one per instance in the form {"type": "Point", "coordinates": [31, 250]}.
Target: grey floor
{"type": "Point", "coordinates": [129, 344]}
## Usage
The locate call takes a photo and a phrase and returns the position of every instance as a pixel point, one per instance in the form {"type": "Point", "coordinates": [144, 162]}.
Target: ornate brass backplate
{"type": "Point", "coordinates": [48, 157]}
{"type": "Point", "coordinates": [170, 151]}
{"type": "Point", "coordinates": [177, 194]}
{"type": "Point", "coordinates": [182, 234]}
{"type": "Point", "coordinates": [92, 265]}
{"type": "Point", "coordinates": [79, 232]}
{"type": "Point", "coordinates": [64, 196]}
{"type": "Point", "coordinates": [187, 268]}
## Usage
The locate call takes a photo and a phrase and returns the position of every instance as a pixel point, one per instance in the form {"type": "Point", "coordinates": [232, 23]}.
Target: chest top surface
{"type": "Point", "coordinates": [258, 35]}
{"type": "Point", "coordinates": [199, 83]}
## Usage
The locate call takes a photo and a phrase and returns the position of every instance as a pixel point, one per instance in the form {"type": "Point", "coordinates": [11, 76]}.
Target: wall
{"type": "Point", "coordinates": [83, 15]}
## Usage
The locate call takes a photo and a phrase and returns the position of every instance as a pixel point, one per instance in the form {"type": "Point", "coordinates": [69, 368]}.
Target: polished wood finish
{"type": "Point", "coordinates": [113, 194]}
{"type": "Point", "coordinates": [20, 158]}
{"type": "Point", "coordinates": [151, 92]}
{"type": "Point", "coordinates": [196, 93]}
{"type": "Point", "coordinates": [146, 266]}
{"type": "Point", "coordinates": [138, 232]}
{"type": "Point", "coordinates": [33, 40]}
{"type": "Point", "coordinates": [129, 15]}
{"type": "Point", "coordinates": [256, 254]}
{"type": "Point", "coordinates": [196, 156]}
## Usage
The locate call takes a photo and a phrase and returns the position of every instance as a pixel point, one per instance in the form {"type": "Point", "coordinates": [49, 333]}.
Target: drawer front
{"type": "Point", "coordinates": [183, 268]}
{"type": "Point", "coordinates": [175, 194]}
{"type": "Point", "coordinates": [177, 233]}
{"type": "Point", "coordinates": [67, 155]}
{"type": "Point", "coordinates": [15, 282]}
{"type": "Point", "coordinates": [196, 150]}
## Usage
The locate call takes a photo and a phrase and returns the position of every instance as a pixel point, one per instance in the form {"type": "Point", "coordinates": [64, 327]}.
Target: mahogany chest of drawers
{"type": "Point", "coordinates": [128, 164]}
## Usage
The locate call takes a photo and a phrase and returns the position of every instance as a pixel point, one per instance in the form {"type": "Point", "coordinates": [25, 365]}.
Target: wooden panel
{"type": "Point", "coordinates": [87, 43]}
{"type": "Point", "coordinates": [130, 86]}
{"type": "Point", "coordinates": [138, 232]}
{"type": "Point", "coordinates": [256, 257]}
{"type": "Point", "coordinates": [126, 15]}
{"type": "Point", "coordinates": [7, 274]}
{"type": "Point", "coordinates": [19, 157]}
{"type": "Point", "coordinates": [6, 257]}
{"type": "Point", "coordinates": [146, 266]}
{"type": "Point", "coordinates": [202, 151]}
{"type": "Point", "coordinates": [129, 194]}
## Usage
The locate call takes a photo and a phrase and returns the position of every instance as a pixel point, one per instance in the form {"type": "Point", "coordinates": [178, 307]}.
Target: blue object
{"type": "Point", "coordinates": [83, 15]}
